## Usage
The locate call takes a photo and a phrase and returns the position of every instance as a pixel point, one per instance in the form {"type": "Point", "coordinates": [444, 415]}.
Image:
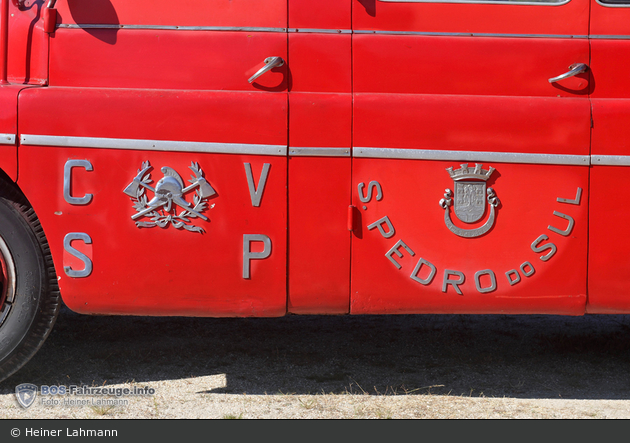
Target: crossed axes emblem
{"type": "Point", "coordinates": [169, 191]}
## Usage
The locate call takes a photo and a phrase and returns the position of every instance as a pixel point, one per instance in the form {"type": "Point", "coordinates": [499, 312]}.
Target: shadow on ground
{"type": "Point", "coordinates": [476, 355]}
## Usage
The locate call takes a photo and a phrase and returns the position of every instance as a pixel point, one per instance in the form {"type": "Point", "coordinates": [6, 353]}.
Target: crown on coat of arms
{"type": "Point", "coordinates": [468, 173]}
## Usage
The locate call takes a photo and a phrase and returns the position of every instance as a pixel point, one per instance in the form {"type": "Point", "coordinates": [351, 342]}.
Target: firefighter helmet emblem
{"type": "Point", "coordinates": [470, 199]}
{"type": "Point", "coordinates": [169, 205]}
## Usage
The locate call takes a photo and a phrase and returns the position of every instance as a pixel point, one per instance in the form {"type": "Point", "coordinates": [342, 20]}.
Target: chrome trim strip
{"type": "Point", "coordinates": [487, 2]}
{"type": "Point", "coordinates": [320, 31]}
{"type": "Point", "coordinates": [610, 160]}
{"type": "Point", "coordinates": [439, 34]}
{"type": "Point", "coordinates": [611, 37]}
{"type": "Point", "coordinates": [152, 145]}
{"type": "Point", "coordinates": [320, 152]}
{"type": "Point", "coordinates": [469, 34]}
{"type": "Point", "coordinates": [7, 139]}
{"type": "Point", "coordinates": [170, 28]}
{"type": "Point", "coordinates": [501, 157]}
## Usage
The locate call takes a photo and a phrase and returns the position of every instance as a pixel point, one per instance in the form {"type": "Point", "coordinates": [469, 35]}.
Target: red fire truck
{"type": "Point", "coordinates": [272, 157]}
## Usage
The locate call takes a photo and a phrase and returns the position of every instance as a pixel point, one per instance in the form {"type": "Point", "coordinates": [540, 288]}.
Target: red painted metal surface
{"type": "Point", "coordinates": [320, 116]}
{"type": "Point", "coordinates": [319, 243]}
{"type": "Point", "coordinates": [608, 66]}
{"type": "Point", "coordinates": [608, 285]}
{"type": "Point", "coordinates": [567, 19]}
{"type": "Point", "coordinates": [469, 123]}
{"type": "Point", "coordinates": [414, 64]}
{"type": "Point", "coordinates": [320, 62]}
{"type": "Point", "coordinates": [243, 13]}
{"type": "Point", "coordinates": [8, 125]}
{"type": "Point", "coordinates": [320, 120]}
{"type": "Point", "coordinates": [28, 45]}
{"type": "Point", "coordinates": [161, 271]}
{"type": "Point", "coordinates": [320, 14]}
{"type": "Point", "coordinates": [609, 20]}
{"type": "Point", "coordinates": [440, 77]}
{"type": "Point", "coordinates": [611, 118]}
{"type": "Point", "coordinates": [411, 191]}
{"type": "Point", "coordinates": [469, 93]}
{"type": "Point", "coordinates": [154, 271]}
{"type": "Point", "coordinates": [205, 116]}
{"type": "Point", "coordinates": [166, 59]}
{"type": "Point", "coordinates": [319, 194]}
{"type": "Point", "coordinates": [4, 41]}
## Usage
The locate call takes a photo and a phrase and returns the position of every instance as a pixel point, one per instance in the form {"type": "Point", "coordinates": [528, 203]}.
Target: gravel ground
{"type": "Point", "coordinates": [408, 366]}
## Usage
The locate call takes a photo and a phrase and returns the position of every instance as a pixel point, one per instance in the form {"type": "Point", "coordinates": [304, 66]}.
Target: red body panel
{"type": "Point", "coordinates": [319, 195]}
{"type": "Point", "coordinates": [204, 116]}
{"type": "Point", "coordinates": [166, 59]}
{"type": "Point", "coordinates": [467, 65]}
{"type": "Point", "coordinates": [608, 284]}
{"type": "Point", "coordinates": [319, 14]}
{"type": "Point", "coordinates": [156, 271]}
{"type": "Point", "coordinates": [8, 125]}
{"type": "Point", "coordinates": [28, 45]}
{"type": "Point", "coordinates": [608, 66]}
{"type": "Point", "coordinates": [410, 195]}
{"type": "Point", "coordinates": [567, 19]}
{"type": "Point", "coordinates": [320, 117]}
{"type": "Point", "coordinates": [472, 123]}
{"type": "Point", "coordinates": [162, 271]}
{"type": "Point", "coordinates": [426, 86]}
{"type": "Point", "coordinates": [319, 245]}
{"type": "Point", "coordinates": [243, 13]}
{"type": "Point", "coordinates": [609, 20]}
{"type": "Point", "coordinates": [320, 62]}
{"type": "Point", "coordinates": [320, 120]}
{"type": "Point", "coordinates": [483, 88]}
{"type": "Point", "coordinates": [608, 287]}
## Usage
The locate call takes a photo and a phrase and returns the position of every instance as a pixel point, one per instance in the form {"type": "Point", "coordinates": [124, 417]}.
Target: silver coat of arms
{"type": "Point", "coordinates": [469, 199]}
{"type": "Point", "coordinates": [26, 394]}
{"type": "Point", "coordinates": [169, 206]}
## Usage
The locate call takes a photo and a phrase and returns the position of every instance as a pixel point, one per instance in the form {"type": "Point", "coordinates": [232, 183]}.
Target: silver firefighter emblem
{"type": "Point", "coordinates": [168, 205]}
{"type": "Point", "coordinates": [470, 199]}
{"type": "Point", "coordinates": [25, 394]}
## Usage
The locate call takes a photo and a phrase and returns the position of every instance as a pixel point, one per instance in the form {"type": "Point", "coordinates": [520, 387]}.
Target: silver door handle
{"type": "Point", "coordinates": [574, 69]}
{"type": "Point", "coordinates": [270, 63]}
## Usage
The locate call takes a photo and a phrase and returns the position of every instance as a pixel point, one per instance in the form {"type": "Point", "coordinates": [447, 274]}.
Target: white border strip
{"type": "Point", "coordinates": [7, 139]}
{"type": "Point", "coordinates": [610, 160]}
{"type": "Point", "coordinates": [320, 152]}
{"type": "Point", "coordinates": [501, 157]}
{"type": "Point", "coordinates": [152, 145]}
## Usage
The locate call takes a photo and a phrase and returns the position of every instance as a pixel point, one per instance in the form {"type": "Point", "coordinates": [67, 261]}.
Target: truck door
{"type": "Point", "coordinates": [470, 156]}
{"type": "Point", "coordinates": [608, 262]}
{"type": "Point", "coordinates": [156, 158]}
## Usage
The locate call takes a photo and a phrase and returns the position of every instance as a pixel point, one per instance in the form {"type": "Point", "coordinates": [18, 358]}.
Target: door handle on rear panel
{"type": "Point", "coordinates": [270, 63]}
{"type": "Point", "coordinates": [574, 69]}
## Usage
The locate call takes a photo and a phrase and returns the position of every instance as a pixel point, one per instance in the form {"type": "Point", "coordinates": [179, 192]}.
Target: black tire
{"type": "Point", "coordinates": [29, 296]}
